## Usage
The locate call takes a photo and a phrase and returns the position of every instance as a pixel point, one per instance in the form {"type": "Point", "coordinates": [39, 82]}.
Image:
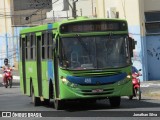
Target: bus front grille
{"type": "Point", "coordinates": [97, 91]}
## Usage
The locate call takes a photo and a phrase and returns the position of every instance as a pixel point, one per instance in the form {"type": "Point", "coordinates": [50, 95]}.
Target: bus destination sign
{"type": "Point", "coordinates": [93, 26]}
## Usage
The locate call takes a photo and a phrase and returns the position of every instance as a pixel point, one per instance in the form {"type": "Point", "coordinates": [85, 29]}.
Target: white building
{"type": "Point", "coordinates": [62, 9]}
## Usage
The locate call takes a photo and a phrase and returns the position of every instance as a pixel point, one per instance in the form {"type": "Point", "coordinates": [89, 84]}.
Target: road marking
{"type": "Point", "coordinates": [14, 77]}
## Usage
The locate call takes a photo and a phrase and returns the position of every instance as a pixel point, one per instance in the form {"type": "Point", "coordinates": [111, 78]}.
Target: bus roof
{"type": "Point", "coordinates": [55, 25]}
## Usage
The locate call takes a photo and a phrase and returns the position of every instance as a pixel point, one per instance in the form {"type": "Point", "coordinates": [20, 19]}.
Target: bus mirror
{"type": "Point", "coordinates": [131, 45]}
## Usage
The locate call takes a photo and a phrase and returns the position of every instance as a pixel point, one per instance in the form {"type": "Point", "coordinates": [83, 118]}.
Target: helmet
{"type": "Point", "coordinates": [6, 61]}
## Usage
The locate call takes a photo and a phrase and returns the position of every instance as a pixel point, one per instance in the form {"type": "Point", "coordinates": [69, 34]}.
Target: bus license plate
{"type": "Point", "coordinates": [97, 90]}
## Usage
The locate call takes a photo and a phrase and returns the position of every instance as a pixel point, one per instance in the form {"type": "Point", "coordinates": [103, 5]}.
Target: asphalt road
{"type": "Point", "coordinates": [11, 99]}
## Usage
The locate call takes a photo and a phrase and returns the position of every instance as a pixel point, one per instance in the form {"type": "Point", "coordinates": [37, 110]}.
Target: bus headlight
{"type": "Point", "coordinates": [129, 76]}
{"type": "Point", "coordinates": [66, 82]}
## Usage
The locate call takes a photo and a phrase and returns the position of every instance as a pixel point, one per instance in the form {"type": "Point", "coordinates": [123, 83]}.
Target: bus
{"type": "Point", "coordinates": [76, 59]}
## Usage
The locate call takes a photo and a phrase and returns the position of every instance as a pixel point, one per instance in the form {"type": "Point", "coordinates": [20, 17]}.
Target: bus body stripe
{"type": "Point", "coordinates": [96, 80]}
{"type": "Point", "coordinates": [50, 70]}
{"type": "Point", "coordinates": [50, 26]}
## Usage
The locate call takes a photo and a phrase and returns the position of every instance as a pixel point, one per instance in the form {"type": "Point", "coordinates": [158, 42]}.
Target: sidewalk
{"type": "Point", "coordinates": [150, 89]}
{"type": "Point", "coordinates": [152, 83]}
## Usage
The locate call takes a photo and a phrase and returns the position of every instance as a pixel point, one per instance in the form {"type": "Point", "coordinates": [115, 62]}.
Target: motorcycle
{"type": "Point", "coordinates": [8, 76]}
{"type": "Point", "coordinates": [136, 86]}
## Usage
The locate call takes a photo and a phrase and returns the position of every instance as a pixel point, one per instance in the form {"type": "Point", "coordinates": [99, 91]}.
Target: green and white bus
{"type": "Point", "coordinates": [76, 59]}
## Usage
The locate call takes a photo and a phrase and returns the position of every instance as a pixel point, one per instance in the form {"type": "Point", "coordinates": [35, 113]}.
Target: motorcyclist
{"type": "Point", "coordinates": [136, 83]}
{"type": "Point", "coordinates": [135, 71]}
{"type": "Point", "coordinates": [4, 68]}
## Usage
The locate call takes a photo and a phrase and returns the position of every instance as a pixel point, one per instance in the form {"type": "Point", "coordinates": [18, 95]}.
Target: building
{"type": "Point", "coordinates": [17, 14]}
{"type": "Point", "coordinates": [143, 18]}
{"type": "Point", "coordinates": [14, 16]}
{"type": "Point", "coordinates": [7, 48]}
{"type": "Point", "coordinates": [62, 9]}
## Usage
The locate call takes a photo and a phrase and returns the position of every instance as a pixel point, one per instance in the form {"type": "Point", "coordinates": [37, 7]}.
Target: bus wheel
{"type": "Point", "coordinates": [46, 101]}
{"type": "Point", "coordinates": [115, 101]}
{"type": "Point", "coordinates": [58, 104]}
{"type": "Point", "coordinates": [35, 100]}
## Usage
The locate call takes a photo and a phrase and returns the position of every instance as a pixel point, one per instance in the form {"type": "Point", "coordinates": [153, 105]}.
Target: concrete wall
{"type": "Point", "coordinates": [152, 49]}
{"type": "Point", "coordinates": [5, 30]}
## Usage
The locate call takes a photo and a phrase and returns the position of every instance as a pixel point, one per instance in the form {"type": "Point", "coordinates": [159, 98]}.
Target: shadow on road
{"type": "Point", "coordinates": [104, 104]}
{"type": "Point", "coordinates": [15, 85]}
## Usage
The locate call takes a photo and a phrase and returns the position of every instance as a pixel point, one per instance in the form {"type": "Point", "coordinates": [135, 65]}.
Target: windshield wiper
{"type": "Point", "coordinates": [82, 43]}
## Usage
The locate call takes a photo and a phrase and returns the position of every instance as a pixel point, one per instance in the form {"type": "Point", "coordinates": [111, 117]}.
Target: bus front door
{"type": "Point", "coordinates": [24, 62]}
{"type": "Point", "coordinates": [39, 66]}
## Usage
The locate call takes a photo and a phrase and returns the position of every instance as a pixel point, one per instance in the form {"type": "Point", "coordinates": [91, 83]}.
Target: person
{"type": "Point", "coordinates": [76, 53]}
{"type": "Point", "coordinates": [4, 68]}
{"type": "Point", "coordinates": [134, 70]}
{"type": "Point", "coordinates": [76, 47]}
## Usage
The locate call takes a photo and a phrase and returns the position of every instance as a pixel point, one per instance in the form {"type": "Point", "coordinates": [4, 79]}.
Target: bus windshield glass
{"type": "Point", "coordinates": [94, 52]}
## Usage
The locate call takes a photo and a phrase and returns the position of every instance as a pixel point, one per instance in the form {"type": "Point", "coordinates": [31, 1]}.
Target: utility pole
{"type": "Point", "coordinates": [92, 8]}
{"type": "Point", "coordinates": [53, 16]}
{"type": "Point", "coordinates": [81, 11]}
{"type": "Point", "coordinates": [41, 17]}
{"type": "Point", "coordinates": [6, 37]}
{"type": "Point", "coordinates": [74, 10]}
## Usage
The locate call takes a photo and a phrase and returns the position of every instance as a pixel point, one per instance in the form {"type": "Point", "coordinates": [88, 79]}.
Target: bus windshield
{"type": "Point", "coordinates": [94, 52]}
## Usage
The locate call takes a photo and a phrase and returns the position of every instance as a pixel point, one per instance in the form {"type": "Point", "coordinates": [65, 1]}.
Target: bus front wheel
{"type": "Point", "coordinates": [58, 104]}
{"type": "Point", "coordinates": [115, 101]}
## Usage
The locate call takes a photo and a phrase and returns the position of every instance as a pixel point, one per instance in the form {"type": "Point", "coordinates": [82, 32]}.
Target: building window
{"type": "Point", "coordinates": [152, 22]}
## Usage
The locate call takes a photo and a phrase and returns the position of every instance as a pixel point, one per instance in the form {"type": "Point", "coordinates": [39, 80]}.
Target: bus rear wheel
{"type": "Point", "coordinates": [58, 104]}
{"type": "Point", "coordinates": [115, 101]}
{"type": "Point", "coordinates": [35, 100]}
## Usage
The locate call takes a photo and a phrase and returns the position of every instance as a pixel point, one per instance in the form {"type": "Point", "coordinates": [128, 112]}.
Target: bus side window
{"type": "Point", "coordinates": [33, 47]}
{"type": "Point", "coordinates": [28, 47]}
{"type": "Point", "coordinates": [44, 45]}
{"type": "Point", "coordinates": [26, 38]}
{"type": "Point", "coordinates": [50, 45]}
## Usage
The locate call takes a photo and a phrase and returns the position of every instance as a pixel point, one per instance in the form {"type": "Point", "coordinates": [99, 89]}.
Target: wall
{"type": "Point", "coordinates": [152, 50]}
{"type": "Point", "coordinates": [5, 30]}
